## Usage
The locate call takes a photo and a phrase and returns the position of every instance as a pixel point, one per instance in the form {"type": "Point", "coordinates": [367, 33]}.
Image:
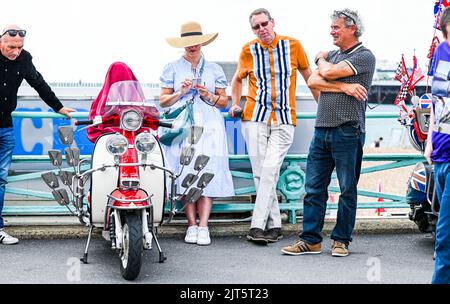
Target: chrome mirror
{"type": "Point", "coordinates": [50, 179]}
{"type": "Point", "coordinates": [66, 135]}
{"type": "Point", "coordinates": [205, 179]}
{"type": "Point", "coordinates": [66, 177]}
{"type": "Point", "coordinates": [186, 156]}
{"type": "Point", "coordinates": [193, 195]}
{"type": "Point", "coordinates": [200, 162]}
{"type": "Point", "coordinates": [72, 156]}
{"type": "Point", "coordinates": [189, 180]}
{"type": "Point", "coordinates": [61, 196]}
{"type": "Point", "coordinates": [194, 134]}
{"type": "Point", "coordinates": [55, 157]}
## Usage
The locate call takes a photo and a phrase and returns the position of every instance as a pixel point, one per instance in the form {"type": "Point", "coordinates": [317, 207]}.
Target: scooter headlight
{"type": "Point", "coordinates": [131, 120]}
{"type": "Point", "coordinates": [117, 145]}
{"type": "Point", "coordinates": [145, 143]}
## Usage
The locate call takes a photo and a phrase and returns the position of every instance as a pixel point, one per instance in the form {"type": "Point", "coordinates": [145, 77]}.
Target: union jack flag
{"type": "Point", "coordinates": [419, 178]}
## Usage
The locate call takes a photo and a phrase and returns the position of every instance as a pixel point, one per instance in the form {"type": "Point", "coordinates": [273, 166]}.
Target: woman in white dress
{"type": "Point", "coordinates": [192, 77]}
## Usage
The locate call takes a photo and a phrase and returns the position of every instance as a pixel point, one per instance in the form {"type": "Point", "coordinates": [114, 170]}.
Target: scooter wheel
{"type": "Point", "coordinates": [131, 253]}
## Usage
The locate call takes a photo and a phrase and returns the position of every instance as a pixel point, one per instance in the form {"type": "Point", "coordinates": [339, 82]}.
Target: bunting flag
{"type": "Point", "coordinates": [415, 77]}
{"type": "Point", "coordinates": [409, 78]}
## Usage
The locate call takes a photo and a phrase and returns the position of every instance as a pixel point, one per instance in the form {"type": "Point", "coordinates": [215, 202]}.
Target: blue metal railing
{"type": "Point", "coordinates": [291, 184]}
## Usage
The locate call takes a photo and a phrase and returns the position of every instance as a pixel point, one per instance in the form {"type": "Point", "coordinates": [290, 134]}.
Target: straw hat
{"type": "Point", "coordinates": [191, 34]}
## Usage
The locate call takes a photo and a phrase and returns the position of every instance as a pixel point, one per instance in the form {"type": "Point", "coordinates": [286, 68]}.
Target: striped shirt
{"type": "Point", "coordinates": [272, 71]}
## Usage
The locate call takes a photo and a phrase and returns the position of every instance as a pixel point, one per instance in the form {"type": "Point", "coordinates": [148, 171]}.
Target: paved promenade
{"type": "Point", "coordinates": [388, 251]}
{"type": "Point", "coordinates": [375, 259]}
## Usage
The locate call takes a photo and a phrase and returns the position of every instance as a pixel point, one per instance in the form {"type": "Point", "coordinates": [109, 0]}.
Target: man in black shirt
{"type": "Point", "coordinates": [15, 65]}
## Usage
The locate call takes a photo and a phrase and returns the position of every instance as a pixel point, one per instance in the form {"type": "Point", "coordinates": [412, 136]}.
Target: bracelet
{"type": "Point", "coordinates": [218, 97]}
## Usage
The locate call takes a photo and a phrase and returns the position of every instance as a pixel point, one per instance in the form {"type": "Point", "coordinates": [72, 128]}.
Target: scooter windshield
{"type": "Point", "coordinates": [124, 95]}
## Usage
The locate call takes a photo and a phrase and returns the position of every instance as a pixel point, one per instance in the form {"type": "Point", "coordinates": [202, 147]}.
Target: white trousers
{"type": "Point", "coordinates": [267, 146]}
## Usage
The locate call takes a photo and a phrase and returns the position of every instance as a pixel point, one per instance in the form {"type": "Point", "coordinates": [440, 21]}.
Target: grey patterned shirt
{"type": "Point", "coordinates": [336, 109]}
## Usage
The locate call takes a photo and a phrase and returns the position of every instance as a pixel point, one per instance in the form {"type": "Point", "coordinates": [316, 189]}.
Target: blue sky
{"type": "Point", "coordinates": [78, 40]}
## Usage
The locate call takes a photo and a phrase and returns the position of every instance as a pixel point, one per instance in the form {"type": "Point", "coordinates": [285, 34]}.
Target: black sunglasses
{"type": "Point", "coordinates": [262, 24]}
{"type": "Point", "coordinates": [347, 15]}
{"type": "Point", "coordinates": [13, 33]}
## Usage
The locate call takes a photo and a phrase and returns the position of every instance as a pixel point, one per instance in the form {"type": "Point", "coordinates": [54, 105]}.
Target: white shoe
{"type": "Point", "coordinates": [191, 235]}
{"type": "Point", "coordinates": [203, 236]}
{"type": "Point", "coordinates": [6, 239]}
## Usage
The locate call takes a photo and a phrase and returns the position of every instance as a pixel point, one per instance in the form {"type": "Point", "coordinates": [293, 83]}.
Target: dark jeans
{"type": "Point", "coordinates": [7, 143]}
{"type": "Point", "coordinates": [340, 148]}
{"type": "Point", "coordinates": [442, 245]}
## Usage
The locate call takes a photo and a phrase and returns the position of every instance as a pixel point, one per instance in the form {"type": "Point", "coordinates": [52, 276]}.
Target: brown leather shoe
{"type": "Point", "coordinates": [300, 248]}
{"type": "Point", "coordinates": [339, 249]}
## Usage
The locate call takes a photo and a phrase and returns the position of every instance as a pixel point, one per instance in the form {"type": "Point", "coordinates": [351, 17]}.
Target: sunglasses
{"type": "Point", "coordinates": [259, 25]}
{"type": "Point", "coordinates": [13, 33]}
{"type": "Point", "coordinates": [347, 15]}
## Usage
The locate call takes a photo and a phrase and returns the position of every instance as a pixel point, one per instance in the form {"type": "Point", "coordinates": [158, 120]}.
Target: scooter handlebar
{"type": "Point", "coordinates": [165, 124]}
{"type": "Point", "coordinates": [83, 122]}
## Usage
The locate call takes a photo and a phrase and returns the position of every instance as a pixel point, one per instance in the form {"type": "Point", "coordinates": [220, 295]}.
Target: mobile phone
{"type": "Point", "coordinates": [196, 82]}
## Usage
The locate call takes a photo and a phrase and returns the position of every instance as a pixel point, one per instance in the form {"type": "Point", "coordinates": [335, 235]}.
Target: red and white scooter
{"type": "Point", "coordinates": [127, 177]}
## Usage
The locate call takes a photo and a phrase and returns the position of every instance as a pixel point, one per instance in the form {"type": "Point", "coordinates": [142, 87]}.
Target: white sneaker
{"type": "Point", "coordinates": [191, 235]}
{"type": "Point", "coordinates": [203, 236]}
{"type": "Point", "coordinates": [6, 239]}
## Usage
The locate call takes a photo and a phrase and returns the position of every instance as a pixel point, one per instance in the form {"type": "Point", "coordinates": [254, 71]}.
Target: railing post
{"type": "Point", "coordinates": [292, 185]}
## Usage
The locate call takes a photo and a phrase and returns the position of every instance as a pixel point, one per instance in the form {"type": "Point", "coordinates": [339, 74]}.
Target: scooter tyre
{"type": "Point", "coordinates": [132, 267]}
